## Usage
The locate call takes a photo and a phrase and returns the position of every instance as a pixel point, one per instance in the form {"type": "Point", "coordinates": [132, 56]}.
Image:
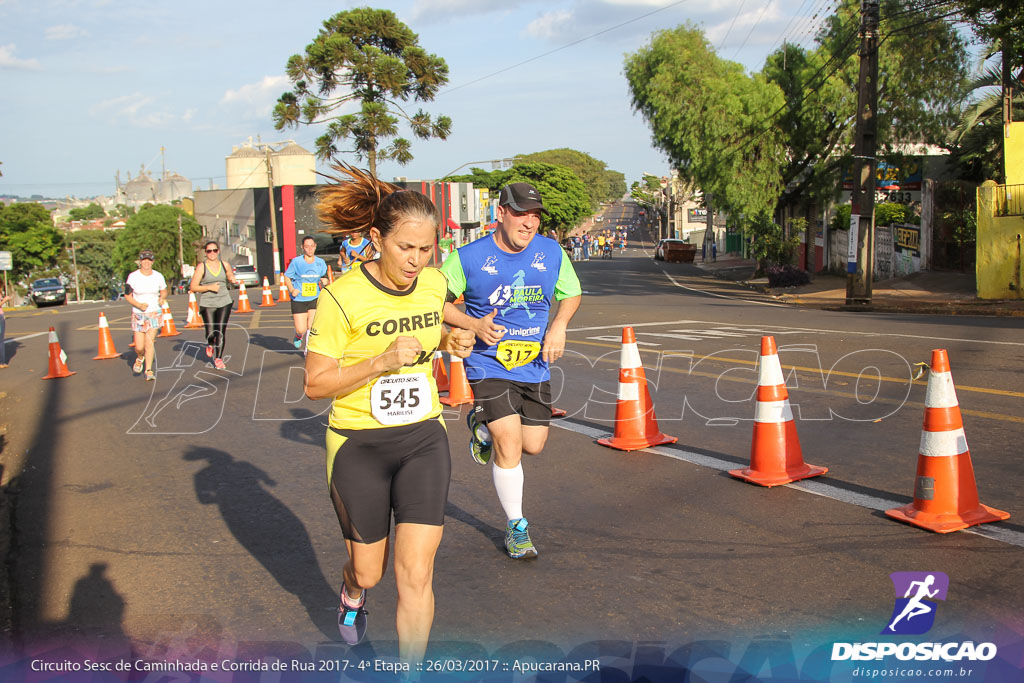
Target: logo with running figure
{"type": "Point", "coordinates": [488, 266]}
{"type": "Point", "coordinates": [538, 262]}
{"type": "Point", "coordinates": [916, 595]}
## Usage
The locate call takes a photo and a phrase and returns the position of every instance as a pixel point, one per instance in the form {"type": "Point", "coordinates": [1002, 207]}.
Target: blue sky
{"type": "Point", "coordinates": [91, 87]}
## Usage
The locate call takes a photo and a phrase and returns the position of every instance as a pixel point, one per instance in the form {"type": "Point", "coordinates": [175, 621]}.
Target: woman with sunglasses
{"type": "Point", "coordinates": [210, 280]}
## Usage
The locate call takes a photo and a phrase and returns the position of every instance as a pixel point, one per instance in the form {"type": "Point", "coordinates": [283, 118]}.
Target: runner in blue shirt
{"type": "Point", "coordinates": [304, 277]}
{"type": "Point", "coordinates": [509, 279]}
{"type": "Point", "coordinates": [354, 249]}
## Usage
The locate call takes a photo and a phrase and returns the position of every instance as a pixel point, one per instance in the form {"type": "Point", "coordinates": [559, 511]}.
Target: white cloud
{"type": "Point", "coordinates": [65, 32]}
{"type": "Point", "coordinates": [257, 99]}
{"type": "Point", "coordinates": [550, 25]}
{"type": "Point", "coordinates": [189, 115]}
{"type": "Point", "coordinates": [134, 109]}
{"type": "Point", "coordinates": [9, 61]}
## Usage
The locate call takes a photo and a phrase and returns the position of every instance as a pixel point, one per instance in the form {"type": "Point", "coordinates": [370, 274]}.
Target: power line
{"type": "Point", "coordinates": [735, 17]}
{"type": "Point", "coordinates": [563, 47]}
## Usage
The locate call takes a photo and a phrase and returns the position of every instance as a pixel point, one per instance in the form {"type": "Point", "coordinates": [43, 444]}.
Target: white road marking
{"type": "Point", "coordinates": [817, 487]}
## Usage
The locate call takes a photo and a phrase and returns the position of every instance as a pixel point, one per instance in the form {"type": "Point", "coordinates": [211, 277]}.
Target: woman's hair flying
{"type": "Point", "coordinates": [355, 201]}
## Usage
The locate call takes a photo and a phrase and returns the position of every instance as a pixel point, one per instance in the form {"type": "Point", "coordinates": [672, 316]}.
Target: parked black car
{"type": "Point", "coordinates": [48, 290]}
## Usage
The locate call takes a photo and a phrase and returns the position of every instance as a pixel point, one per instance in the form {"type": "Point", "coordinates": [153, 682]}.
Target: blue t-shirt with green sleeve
{"type": "Point", "coordinates": [520, 287]}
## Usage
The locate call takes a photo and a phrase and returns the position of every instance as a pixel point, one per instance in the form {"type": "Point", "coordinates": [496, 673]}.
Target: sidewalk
{"type": "Point", "coordinates": [933, 292]}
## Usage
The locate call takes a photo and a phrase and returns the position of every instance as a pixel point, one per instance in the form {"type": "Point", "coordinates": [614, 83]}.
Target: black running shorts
{"type": "Point", "coordinates": [497, 398]}
{"type": "Point", "coordinates": [404, 469]}
{"type": "Point", "coordinates": [300, 307]}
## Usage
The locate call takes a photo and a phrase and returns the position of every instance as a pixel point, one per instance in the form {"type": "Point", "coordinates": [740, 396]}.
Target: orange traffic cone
{"type": "Point", "coordinates": [243, 300]}
{"type": "Point", "coordinates": [440, 374]}
{"type": "Point", "coordinates": [330, 275]}
{"type": "Point", "coordinates": [636, 426]}
{"type": "Point", "coordinates": [284, 296]}
{"type": "Point", "coordinates": [945, 493]}
{"type": "Point", "coordinates": [268, 296]}
{"type": "Point", "coordinates": [459, 391]}
{"type": "Point", "coordinates": [775, 455]}
{"type": "Point", "coordinates": [167, 327]}
{"type": "Point", "coordinates": [106, 345]}
{"type": "Point", "coordinates": [194, 318]}
{"type": "Point", "coordinates": [58, 359]}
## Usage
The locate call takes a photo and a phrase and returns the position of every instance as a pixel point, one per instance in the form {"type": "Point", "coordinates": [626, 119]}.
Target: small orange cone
{"type": "Point", "coordinates": [330, 275]}
{"type": "Point", "coordinates": [106, 345]}
{"type": "Point", "coordinates": [459, 391]}
{"type": "Point", "coordinates": [284, 296]}
{"type": "Point", "coordinates": [636, 426]}
{"type": "Point", "coordinates": [194, 318]}
{"type": "Point", "coordinates": [440, 374]}
{"type": "Point", "coordinates": [775, 455]}
{"type": "Point", "coordinates": [268, 296]}
{"type": "Point", "coordinates": [945, 493]}
{"type": "Point", "coordinates": [243, 300]}
{"type": "Point", "coordinates": [167, 327]}
{"type": "Point", "coordinates": [58, 359]}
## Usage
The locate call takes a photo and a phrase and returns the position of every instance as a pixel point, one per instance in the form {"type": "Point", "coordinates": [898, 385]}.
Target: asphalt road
{"type": "Point", "coordinates": [188, 518]}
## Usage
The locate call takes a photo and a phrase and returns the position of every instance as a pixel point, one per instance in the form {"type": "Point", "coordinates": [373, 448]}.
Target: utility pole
{"type": "Point", "coordinates": [273, 214]}
{"type": "Point", "coordinates": [74, 262]}
{"type": "Point", "coordinates": [181, 251]}
{"type": "Point", "coordinates": [860, 257]}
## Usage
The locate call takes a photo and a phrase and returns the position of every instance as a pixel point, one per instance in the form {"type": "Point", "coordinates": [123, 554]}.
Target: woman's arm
{"type": "Point", "coordinates": [325, 378]}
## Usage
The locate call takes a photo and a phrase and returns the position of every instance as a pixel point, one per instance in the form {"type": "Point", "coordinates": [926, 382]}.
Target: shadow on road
{"type": "Point", "coordinates": [491, 533]}
{"type": "Point", "coordinates": [266, 528]}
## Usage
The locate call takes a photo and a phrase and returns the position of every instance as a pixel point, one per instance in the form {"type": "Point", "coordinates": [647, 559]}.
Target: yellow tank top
{"type": "Point", "coordinates": [358, 318]}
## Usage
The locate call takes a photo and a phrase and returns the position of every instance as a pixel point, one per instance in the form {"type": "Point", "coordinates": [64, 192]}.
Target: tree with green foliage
{"type": "Point", "coordinates": [155, 227]}
{"type": "Point", "coordinates": [616, 184]}
{"type": "Point", "coordinates": [922, 68]}
{"type": "Point", "coordinates": [94, 255]}
{"type": "Point", "coordinates": [564, 195]}
{"type": "Point", "coordinates": [588, 169]}
{"type": "Point", "coordinates": [769, 244]}
{"type": "Point", "coordinates": [26, 230]}
{"type": "Point", "coordinates": [706, 114]}
{"type": "Point", "coordinates": [88, 213]}
{"type": "Point", "coordinates": [365, 56]}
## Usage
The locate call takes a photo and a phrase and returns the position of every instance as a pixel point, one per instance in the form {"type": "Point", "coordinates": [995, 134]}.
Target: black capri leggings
{"type": "Point", "coordinates": [215, 320]}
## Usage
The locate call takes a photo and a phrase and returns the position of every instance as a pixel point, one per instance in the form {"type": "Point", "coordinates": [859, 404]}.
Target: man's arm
{"type": "Point", "coordinates": [554, 338]}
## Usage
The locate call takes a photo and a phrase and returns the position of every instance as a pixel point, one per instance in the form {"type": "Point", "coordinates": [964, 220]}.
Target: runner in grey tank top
{"type": "Point", "coordinates": [210, 281]}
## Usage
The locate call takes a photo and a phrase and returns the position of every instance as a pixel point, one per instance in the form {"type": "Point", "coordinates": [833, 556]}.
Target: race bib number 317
{"type": "Point", "coordinates": [400, 399]}
{"type": "Point", "coordinates": [515, 354]}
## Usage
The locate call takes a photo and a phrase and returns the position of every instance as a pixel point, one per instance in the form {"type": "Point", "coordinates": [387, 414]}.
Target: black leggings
{"type": "Point", "coordinates": [215, 320]}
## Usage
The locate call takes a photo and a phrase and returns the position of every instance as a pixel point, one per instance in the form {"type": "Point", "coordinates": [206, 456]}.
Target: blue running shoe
{"type": "Point", "coordinates": [480, 444]}
{"type": "Point", "coordinates": [352, 620]}
{"type": "Point", "coordinates": [517, 540]}
{"type": "Point", "coordinates": [297, 342]}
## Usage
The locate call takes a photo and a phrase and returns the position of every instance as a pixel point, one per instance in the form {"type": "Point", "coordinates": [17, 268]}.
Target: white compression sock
{"type": "Point", "coordinates": [509, 485]}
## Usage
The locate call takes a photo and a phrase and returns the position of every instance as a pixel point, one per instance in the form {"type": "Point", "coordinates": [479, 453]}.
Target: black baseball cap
{"type": "Point", "coordinates": [146, 254]}
{"type": "Point", "coordinates": [521, 197]}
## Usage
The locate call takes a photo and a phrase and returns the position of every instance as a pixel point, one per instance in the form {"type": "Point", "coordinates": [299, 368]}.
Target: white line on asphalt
{"type": "Point", "coordinates": [27, 336]}
{"type": "Point", "coordinates": [724, 296]}
{"type": "Point", "coordinates": [816, 486]}
{"type": "Point", "coordinates": [770, 328]}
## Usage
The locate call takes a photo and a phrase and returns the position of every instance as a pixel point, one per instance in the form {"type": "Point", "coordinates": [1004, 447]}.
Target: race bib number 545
{"type": "Point", "coordinates": [400, 399]}
{"type": "Point", "coordinates": [514, 354]}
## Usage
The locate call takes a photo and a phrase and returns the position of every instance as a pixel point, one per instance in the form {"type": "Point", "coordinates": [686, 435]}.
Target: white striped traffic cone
{"type": "Point", "coordinates": [945, 493]}
{"type": "Point", "coordinates": [193, 319]}
{"type": "Point", "coordinates": [775, 455]}
{"type": "Point", "coordinates": [636, 426]}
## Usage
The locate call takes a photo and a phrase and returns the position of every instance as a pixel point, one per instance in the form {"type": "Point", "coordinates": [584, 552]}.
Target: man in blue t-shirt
{"type": "Point", "coordinates": [304, 277]}
{"type": "Point", "coordinates": [509, 279]}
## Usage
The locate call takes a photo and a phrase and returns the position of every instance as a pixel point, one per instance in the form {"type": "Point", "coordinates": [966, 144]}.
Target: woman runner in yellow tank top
{"type": "Point", "coordinates": [370, 349]}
